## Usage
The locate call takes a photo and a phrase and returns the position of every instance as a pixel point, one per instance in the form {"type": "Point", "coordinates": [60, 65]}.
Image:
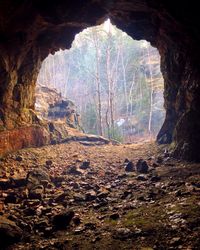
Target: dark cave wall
{"type": "Point", "coordinates": [30, 30]}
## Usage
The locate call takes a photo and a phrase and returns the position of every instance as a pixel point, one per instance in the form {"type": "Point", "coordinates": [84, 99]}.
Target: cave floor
{"type": "Point", "coordinates": [112, 208]}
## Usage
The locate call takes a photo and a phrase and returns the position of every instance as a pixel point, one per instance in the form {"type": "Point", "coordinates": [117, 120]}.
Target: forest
{"type": "Point", "coordinates": [114, 81]}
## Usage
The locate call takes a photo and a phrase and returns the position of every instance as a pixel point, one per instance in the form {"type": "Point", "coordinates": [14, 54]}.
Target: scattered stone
{"type": "Point", "coordinates": [176, 241]}
{"type": "Point", "coordinates": [141, 178]}
{"type": "Point", "coordinates": [142, 166]}
{"type": "Point", "coordinates": [90, 225]}
{"type": "Point", "coordinates": [90, 196]}
{"type": "Point", "coordinates": [79, 230]}
{"type": "Point", "coordinates": [159, 160]}
{"type": "Point", "coordinates": [9, 232]}
{"type": "Point", "coordinates": [114, 216]}
{"type": "Point", "coordinates": [103, 195]}
{"type": "Point", "coordinates": [129, 167]}
{"type": "Point", "coordinates": [73, 171]}
{"type": "Point", "coordinates": [11, 198]}
{"type": "Point", "coordinates": [5, 184]}
{"type": "Point", "coordinates": [36, 192]}
{"type": "Point", "coordinates": [155, 165]}
{"type": "Point", "coordinates": [49, 162]}
{"type": "Point", "coordinates": [57, 180]}
{"type": "Point", "coordinates": [126, 195]}
{"type": "Point", "coordinates": [18, 182]}
{"type": "Point", "coordinates": [77, 220]}
{"type": "Point", "coordinates": [19, 158]}
{"type": "Point", "coordinates": [79, 198]}
{"type": "Point", "coordinates": [155, 178]}
{"type": "Point", "coordinates": [85, 165]}
{"type": "Point", "coordinates": [126, 161]}
{"type": "Point", "coordinates": [60, 197]}
{"type": "Point", "coordinates": [62, 220]}
{"type": "Point", "coordinates": [122, 233]}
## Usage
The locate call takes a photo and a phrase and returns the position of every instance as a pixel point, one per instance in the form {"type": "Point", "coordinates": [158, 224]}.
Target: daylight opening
{"type": "Point", "coordinates": [107, 84]}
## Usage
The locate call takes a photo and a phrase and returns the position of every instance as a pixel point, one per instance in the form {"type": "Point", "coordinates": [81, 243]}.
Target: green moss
{"type": "Point", "coordinates": [146, 218]}
{"type": "Point", "coordinates": [110, 222]}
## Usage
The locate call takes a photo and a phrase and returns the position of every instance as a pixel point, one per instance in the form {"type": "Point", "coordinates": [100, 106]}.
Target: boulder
{"type": "Point", "coordinates": [36, 192]}
{"type": "Point", "coordinates": [142, 166]}
{"type": "Point", "coordinates": [62, 220]}
{"type": "Point", "coordinates": [129, 167]}
{"type": "Point", "coordinates": [9, 232]}
{"type": "Point", "coordinates": [36, 177]}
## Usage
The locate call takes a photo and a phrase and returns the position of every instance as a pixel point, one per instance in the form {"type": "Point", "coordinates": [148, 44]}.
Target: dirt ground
{"type": "Point", "coordinates": [111, 206]}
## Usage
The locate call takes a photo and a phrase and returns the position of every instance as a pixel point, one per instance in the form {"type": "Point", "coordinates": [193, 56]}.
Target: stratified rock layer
{"type": "Point", "coordinates": [30, 30]}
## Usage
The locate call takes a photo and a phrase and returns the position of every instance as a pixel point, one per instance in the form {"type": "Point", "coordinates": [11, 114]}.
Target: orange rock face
{"type": "Point", "coordinates": [19, 138]}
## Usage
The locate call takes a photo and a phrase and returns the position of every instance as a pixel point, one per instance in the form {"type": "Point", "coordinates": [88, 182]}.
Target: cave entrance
{"type": "Point", "coordinates": [111, 81]}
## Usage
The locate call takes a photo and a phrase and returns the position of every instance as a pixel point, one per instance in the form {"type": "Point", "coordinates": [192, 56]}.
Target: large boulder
{"type": "Point", "coordinates": [9, 232]}
{"type": "Point", "coordinates": [37, 177]}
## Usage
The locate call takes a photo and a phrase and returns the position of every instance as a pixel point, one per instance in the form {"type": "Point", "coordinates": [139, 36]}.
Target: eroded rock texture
{"type": "Point", "coordinates": [51, 106]}
{"type": "Point", "coordinates": [30, 30]}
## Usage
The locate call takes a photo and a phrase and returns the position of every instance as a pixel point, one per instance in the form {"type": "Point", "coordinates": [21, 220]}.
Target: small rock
{"type": "Point", "coordinates": [77, 220]}
{"type": "Point", "coordinates": [114, 216]}
{"type": "Point", "coordinates": [126, 161]}
{"type": "Point", "coordinates": [73, 170]}
{"type": "Point", "coordinates": [60, 197]}
{"type": "Point", "coordinates": [166, 153]}
{"type": "Point", "coordinates": [126, 195]}
{"type": "Point", "coordinates": [5, 184]}
{"type": "Point", "coordinates": [122, 233]}
{"type": "Point", "coordinates": [103, 195]}
{"type": "Point", "coordinates": [62, 220]}
{"type": "Point", "coordinates": [90, 225]}
{"type": "Point", "coordinates": [19, 158]}
{"type": "Point", "coordinates": [142, 166]}
{"type": "Point", "coordinates": [175, 241]}
{"type": "Point", "coordinates": [155, 165]}
{"type": "Point", "coordinates": [18, 182]}
{"type": "Point", "coordinates": [141, 178]}
{"type": "Point", "coordinates": [85, 165]}
{"type": "Point", "coordinates": [155, 178]}
{"type": "Point", "coordinates": [90, 196]}
{"type": "Point", "coordinates": [49, 162]}
{"type": "Point", "coordinates": [159, 160]}
{"type": "Point", "coordinates": [78, 198]}
{"type": "Point", "coordinates": [36, 192]}
{"type": "Point", "coordinates": [129, 167]}
{"type": "Point", "coordinates": [11, 198]}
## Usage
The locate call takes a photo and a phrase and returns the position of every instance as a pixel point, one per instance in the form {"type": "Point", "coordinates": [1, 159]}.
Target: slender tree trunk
{"type": "Point", "coordinates": [124, 82]}
{"type": "Point", "coordinates": [98, 83]}
{"type": "Point", "coordinates": [151, 93]}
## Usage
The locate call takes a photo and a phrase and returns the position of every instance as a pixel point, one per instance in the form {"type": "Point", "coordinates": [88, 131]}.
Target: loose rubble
{"type": "Point", "coordinates": [72, 196]}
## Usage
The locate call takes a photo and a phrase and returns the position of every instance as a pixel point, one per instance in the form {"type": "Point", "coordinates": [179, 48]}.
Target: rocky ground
{"type": "Point", "coordinates": [75, 196]}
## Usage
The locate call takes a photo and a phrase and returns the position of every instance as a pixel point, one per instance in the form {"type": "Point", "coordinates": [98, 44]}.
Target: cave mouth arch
{"type": "Point", "coordinates": [30, 30]}
{"type": "Point", "coordinates": [114, 81]}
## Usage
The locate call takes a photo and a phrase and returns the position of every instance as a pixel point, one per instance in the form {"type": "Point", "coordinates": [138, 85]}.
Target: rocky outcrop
{"type": "Point", "coordinates": [30, 30]}
{"type": "Point", "coordinates": [50, 105]}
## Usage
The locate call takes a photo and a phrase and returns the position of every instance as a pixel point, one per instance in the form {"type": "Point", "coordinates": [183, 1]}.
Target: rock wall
{"type": "Point", "coordinates": [51, 106]}
{"type": "Point", "coordinates": [30, 30]}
